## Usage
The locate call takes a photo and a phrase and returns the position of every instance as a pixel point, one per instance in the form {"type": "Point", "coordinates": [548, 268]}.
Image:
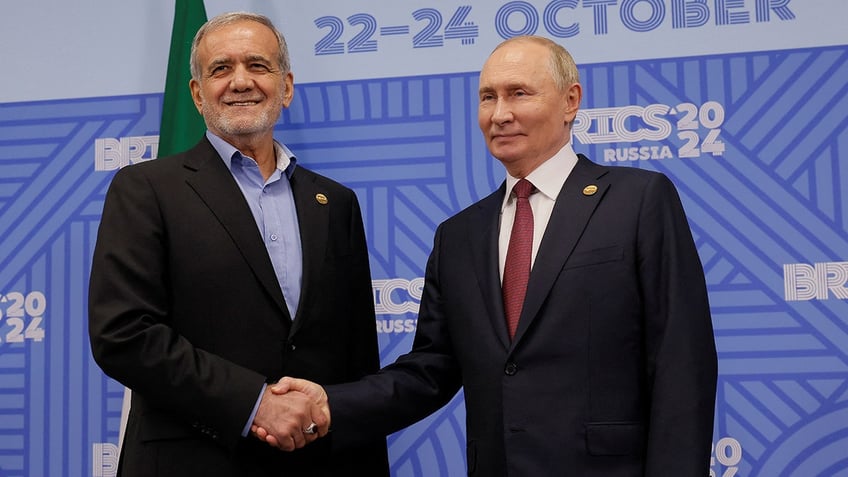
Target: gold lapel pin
{"type": "Point", "coordinates": [590, 189]}
{"type": "Point", "coordinates": [321, 198]}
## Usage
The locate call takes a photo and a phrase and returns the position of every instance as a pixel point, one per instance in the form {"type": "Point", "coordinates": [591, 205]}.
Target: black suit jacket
{"type": "Point", "coordinates": [612, 371]}
{"type": "Point", "coordinates": [186, 311]}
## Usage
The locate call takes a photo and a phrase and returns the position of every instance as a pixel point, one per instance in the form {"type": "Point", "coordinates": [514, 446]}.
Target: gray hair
{"type": "Point", "coordinates": [225, 19]}
{"type": "Point", "coordinates": [562, 65]}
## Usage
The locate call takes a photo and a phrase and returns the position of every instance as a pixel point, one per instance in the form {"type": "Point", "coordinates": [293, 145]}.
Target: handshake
{"type": "Point", "coordinates": [292, 413]}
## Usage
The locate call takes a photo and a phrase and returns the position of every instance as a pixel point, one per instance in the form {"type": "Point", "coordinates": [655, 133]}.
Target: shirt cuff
{"type": "Point", "coordinates": [246, 429]}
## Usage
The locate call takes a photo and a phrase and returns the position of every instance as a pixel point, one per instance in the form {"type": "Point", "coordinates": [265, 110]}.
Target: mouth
{"type": "Point", "coordinates": [242, 103]}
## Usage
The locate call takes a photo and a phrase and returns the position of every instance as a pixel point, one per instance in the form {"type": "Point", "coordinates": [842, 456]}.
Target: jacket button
{"type": "Point", "coordinates": [511, 369]}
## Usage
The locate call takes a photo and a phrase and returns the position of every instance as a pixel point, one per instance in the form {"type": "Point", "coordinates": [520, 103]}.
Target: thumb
{"type": "Point", "coordinates": [313, 390]}
{"type": "Point", "coordinates": [282, 386]}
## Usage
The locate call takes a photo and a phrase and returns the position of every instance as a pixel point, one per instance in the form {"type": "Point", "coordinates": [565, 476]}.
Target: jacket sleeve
{"type": "Point", "coordinates": [680, 347]}
{"type": "Point", "coordinates": [133, 338]}
{"type": "Point", "coordinates": [364, 352]}
{"type": "Point", "coordinates": [415, 385]}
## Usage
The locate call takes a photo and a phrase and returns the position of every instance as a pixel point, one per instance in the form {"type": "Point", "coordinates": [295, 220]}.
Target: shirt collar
{"type": "Point", "coordinates": [286, 160]}
{"type": "Point", "coordinates": [549, 177]}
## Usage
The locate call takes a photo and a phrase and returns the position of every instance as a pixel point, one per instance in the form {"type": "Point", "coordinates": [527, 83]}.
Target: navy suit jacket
{"type": "Point", "coordinates": [185, 310]}
{"type": "Point", "coordinates": [612, 371]}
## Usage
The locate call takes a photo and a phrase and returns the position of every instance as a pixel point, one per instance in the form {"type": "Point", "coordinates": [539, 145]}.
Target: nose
{"type": "Point", "coordinates": [501, 112]}
{"type": "Point", "coordinates": [241, 79]}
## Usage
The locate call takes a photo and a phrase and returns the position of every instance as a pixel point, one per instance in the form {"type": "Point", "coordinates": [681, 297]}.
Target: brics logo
{"type": "Point", "coordinates": [104, 460]}
{"type": "Point", "coordinates": [820, 281]}
{"type": "Point", "coordinates": [396, 296]}
{"type": "Point", "coordinates": [697, 128]}
{"type": "Point", "coordinates": [114, 153]}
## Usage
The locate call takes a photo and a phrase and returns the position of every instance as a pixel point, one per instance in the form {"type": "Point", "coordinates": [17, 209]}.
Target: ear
{"type": "Point", "coordinates": [194, 86]}
{"type": "Point", "coordinates": [573, 96]}
{"type": "Point", "coordinates": [288, 84]}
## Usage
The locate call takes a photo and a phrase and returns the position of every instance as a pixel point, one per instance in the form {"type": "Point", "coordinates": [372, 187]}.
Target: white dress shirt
{"type": "Point", "coordinates": [548, 179]}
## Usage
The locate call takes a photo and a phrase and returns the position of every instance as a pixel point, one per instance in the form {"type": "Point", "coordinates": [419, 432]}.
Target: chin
{"type": "Point", "coordinates": [504, 155]}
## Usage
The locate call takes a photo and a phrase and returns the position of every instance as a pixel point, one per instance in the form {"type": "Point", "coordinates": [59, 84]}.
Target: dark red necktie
{"type": "Point", "coordinates": [517, 267]}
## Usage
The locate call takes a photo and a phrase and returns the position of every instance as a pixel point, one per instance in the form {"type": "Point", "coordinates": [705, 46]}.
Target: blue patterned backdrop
{"type": "Point", "coordinates": [755, 141]}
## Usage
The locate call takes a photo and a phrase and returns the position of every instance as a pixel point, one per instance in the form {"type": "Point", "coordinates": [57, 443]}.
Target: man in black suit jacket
{"type": "Point", "coordinates": [612, 368]}
{"type": "Point", "coordinates": [221, 269]}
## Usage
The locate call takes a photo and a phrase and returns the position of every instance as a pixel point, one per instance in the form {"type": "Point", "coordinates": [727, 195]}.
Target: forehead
{"type": "Point", "coordinates": [239, 38]}
{"type": "Point", "coordinates": [518, 62]}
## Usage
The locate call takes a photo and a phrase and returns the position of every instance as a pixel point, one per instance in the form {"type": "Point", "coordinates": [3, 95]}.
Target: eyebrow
{"type": "Point", "coordinates": [219, 61]}
{"type": "Point", "coordinates": [512, 86]}
{"type": "Point", "coordinates": [260, 58]}
{"type": "Point", "coordinates": [229, 61]}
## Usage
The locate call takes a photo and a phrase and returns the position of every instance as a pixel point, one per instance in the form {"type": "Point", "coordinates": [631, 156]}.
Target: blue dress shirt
{"type": "Point", "coordinates": [272, 204]}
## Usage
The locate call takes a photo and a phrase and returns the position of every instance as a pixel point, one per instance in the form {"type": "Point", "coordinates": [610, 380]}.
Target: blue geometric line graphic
{"type": "Point", "coordinates": [412, 151]}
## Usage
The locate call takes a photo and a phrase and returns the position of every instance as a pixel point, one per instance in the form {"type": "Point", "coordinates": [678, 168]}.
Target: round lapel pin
{"type": "Point", "coordinates": [590, 189]}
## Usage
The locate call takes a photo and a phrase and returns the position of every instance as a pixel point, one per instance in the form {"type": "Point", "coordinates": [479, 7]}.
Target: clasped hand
{"type": "Point", "coordinates": [287, 412]}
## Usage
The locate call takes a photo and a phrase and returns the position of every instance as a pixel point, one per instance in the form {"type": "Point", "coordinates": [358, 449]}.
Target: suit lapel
{"type": "Point", "coordinates": [571, 213]}
{"type": "Point", "coordinates": [314, 220]}
{"type": "Point", "coordinates": [216, 187]}
{"type": "Point", "coordinates": [483, 230]}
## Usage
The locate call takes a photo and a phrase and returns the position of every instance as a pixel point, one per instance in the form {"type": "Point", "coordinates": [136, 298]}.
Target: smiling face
{"type": "Point", "coordinates": [524, 116]}
{"type": "Point", "coordinates": [241, 89]}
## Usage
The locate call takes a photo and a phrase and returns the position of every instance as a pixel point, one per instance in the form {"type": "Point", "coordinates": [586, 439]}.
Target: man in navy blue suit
{"type": "Point", "coordinates": [611, 367]}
